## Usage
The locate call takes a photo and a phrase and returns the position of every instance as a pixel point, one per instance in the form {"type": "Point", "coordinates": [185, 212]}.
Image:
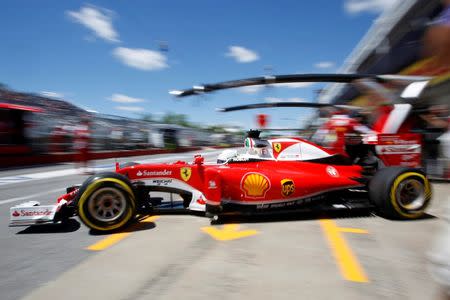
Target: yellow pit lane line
{"type": "Point", "coordinates": [348, 263]}
{"type": "Point", "coordinates": [117, 237]}
{"type": "Point", "coordinates": [228, 232]}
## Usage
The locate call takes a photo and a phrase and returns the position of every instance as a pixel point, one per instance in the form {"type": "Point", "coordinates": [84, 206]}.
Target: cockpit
{"type": "Point", "coordinates": [281, 149]}
{"type": "Point", "coordinates": [258, 148]}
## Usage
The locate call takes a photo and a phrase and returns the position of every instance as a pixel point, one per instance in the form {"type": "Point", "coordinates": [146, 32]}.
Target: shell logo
{"type": "Point", "coordinates": [255, 185]}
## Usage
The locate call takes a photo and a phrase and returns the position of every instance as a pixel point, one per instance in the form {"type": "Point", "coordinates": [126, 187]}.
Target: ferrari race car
{"type": "Point", "coordinates": [265, 176]}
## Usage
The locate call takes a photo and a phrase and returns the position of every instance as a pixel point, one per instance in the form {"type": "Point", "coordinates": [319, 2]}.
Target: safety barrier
{"type": "Point", "coordinates": [52, 158]}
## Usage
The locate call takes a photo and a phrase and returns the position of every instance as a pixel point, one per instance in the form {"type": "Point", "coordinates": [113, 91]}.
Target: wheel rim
{"type": "Point", "coordinates": [107, 204]}
{"type": "Point", "coordinates": [410, 194]}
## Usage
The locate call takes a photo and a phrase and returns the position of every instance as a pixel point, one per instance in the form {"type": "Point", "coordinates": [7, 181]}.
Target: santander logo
{"type": "Point", "coordinates": [32, 213]}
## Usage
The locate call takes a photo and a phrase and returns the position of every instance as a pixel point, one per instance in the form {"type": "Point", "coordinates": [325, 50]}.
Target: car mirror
{"type": "Point", "coordinates": [198, 160]}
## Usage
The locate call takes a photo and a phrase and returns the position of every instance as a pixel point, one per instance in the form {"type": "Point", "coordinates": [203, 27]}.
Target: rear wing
{"type": "Point", "coordinates": [295, 78]}
{"type": "Point", "coordinates": [411, 87]}
{"type": "Point", "coordinates": [286, 104]}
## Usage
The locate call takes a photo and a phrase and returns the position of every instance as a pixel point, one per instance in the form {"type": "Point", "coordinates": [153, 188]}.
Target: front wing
{"type": "Point", "coordinates": [32, 213]}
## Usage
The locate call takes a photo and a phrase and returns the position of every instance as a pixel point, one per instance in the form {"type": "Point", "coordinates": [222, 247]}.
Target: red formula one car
{"type": "Point", "coordinates": [265, 176]}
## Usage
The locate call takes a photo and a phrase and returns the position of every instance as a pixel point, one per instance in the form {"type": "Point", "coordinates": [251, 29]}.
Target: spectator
{"type": "Point", "coordinates": [81, 144]}
{"type": "Point", "coordinates": [437, 38]}
{"type": "Point", "coordinates": [435, 124]}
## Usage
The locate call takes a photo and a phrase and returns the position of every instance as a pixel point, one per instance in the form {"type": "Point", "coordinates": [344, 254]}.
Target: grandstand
{"type": "Point", "coordinates": [34, 124]}
{"type": "Point", "coordinates": [393, 45]}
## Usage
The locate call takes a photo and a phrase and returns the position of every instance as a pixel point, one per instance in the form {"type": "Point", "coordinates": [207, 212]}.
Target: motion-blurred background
{"type": "Point", "coordinates": [99, 73]}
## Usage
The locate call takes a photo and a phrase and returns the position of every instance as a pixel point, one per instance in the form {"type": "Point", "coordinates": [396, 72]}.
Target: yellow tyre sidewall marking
{"type": "Point", "coordinates": [394, 189]}
{"type": "Point", "coordinates": [89, 191]}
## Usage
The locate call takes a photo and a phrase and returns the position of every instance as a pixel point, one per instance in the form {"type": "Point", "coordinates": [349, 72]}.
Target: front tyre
{"type": "Point", "coordinates": [400, 193]}
{"type": "Point", "coordinates": [107, 204]}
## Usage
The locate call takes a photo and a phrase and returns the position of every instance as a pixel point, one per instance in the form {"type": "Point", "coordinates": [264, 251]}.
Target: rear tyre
{"type": "Point", "coordinates": [400, 193]}
{"type": "Point", "coordinates": [107, 203]}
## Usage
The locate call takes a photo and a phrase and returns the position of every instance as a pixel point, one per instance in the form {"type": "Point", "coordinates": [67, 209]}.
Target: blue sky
{"type": "Point", "coordinates": [106, 56]}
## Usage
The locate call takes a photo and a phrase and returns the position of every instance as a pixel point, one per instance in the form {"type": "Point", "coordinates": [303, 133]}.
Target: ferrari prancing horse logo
{"type": "Point", "coordinates": [185, 173]}
{"type": "Point", "coordinates": [277, 147]}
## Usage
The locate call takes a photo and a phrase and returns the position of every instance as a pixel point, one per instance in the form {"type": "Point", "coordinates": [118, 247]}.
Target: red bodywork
{"type": "Point", "coordinates": [402, 148]}
{"type": "Point", "coordinates": [253, 183]}
{"type": "Point", "coordinates": [249, 183]}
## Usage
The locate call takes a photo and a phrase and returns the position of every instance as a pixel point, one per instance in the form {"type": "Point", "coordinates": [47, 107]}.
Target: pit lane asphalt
{"type": "Point", "coordinates": [30, 257]}
{"type": "Point", "coordinates": [173, 258]}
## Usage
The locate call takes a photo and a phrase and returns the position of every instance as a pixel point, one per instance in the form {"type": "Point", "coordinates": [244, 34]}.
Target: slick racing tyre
{"type": "Point", "coordinates": [400, 193]}
{"type": "Point", "coordinates": [106, 202]}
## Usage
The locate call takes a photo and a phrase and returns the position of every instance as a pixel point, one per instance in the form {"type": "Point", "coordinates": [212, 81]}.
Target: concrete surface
{"type": "Point", "coordinates": [173, 257]}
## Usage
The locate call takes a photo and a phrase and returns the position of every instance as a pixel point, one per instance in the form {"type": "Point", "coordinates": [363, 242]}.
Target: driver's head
{"type": "Point", "coordinates": [262, 148]}
{"type": "Point", "coordinates": [253, 133]}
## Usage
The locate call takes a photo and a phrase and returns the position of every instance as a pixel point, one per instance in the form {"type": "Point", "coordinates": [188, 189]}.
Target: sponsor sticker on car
{"type": "Point", "coordinates": [162, 182]}
{"type": "Point", "coordinates": [332, 171]}
{"type": "Point", "coordinates": [287, 187]}
{"type": "Point", "coordinates": [277, 147]}
{"type": "Point", "coordinates": [32, 214]}
{"type": "Point", "coordinates": [185, 173]}
{"type": "Point", "coordinates": [255, 185]}
{"type": "Point", "coordinates": [147, 173]}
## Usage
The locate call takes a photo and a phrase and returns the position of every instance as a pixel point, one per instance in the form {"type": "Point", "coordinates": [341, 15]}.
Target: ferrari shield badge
{"type": "Point", "coordinates": [287, 187]}
{"type": "Point", "coordinates": [255, 185]}
{"type": "Point", "coordinates": [277, 147]}
{"type": "Point", "coordinates": [185, 173]}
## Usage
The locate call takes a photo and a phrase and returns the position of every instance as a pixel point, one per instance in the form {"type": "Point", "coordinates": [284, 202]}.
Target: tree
{"type": "Point", "coordinates": [177, 119]}
{"type": "Point", "coordinates": [3, 86]}
{"type": "Point", "coordinates": [147, 117]}
{"type": "Point", "coordinates": [216, 129]}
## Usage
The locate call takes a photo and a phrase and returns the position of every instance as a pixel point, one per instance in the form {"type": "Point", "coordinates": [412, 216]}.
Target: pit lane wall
{"type": "Point", "coordinates": [53, 158]}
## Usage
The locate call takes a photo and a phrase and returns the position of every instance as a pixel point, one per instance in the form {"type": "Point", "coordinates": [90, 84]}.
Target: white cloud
{"type": "Point", "coordinates": [275, 99]}
{"type": "Point", "coordinates": [242, 55]}
{"type": "Point", "coordinates": [120, 98]}
{"type": "Point", "coordinates": [142, 59]}
{"type": "Point", "coordinates": [251, 89]}
{"type": "Point", "coordinates": [50, 94]}
{"type": "Point", "coordinates": [130, 108]}
{"type": "Point", "coordinates": [97, 19]}
{"type": "Point", "coordinates": [372, 6]}
{"type": "Point", "coordinates": [295, 85]}
{"type": "Point", "coordinates": [324, 65]}
{"type": "Point", "coordinates": [86, 108]}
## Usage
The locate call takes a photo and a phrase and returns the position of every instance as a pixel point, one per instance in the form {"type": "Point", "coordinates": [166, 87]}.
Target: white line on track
{"type": "Point", "coordinates": [67, 172]}
{"type": "Point", "coordinates": [35, 176]}
{"type": "Point", "coordinates": [31, 196]}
